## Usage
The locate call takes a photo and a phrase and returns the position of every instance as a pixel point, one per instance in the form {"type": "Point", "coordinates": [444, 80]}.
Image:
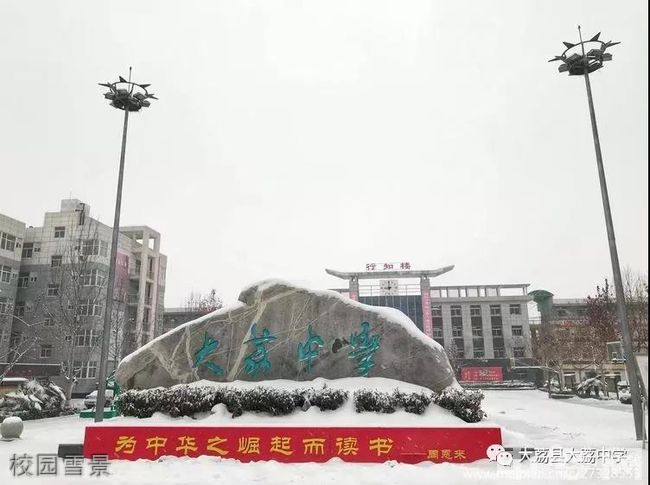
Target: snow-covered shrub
{"type": "Point", "coordinates": [275, 402]}
{"type": "Point", "coordinates": [141, 404]}
{"type": "Point", "coordinates": [412, 402]}
{"type": "Point", "coordinates": [366, 400]}
{"type": "Point", "coordinates": [465, 404]}
{"type": "Point", "coordinates": [183, 400]}
{"type": "Point", "coordinates": [373, 401]}
{"type": "Point", "coordinates": [33, 401]}
{"type": "Point", "coordinates": [592, 387]}
{"type": "Point", "coordinates": [328, 399]}
{"type": "Point", "coordinates": [186, 401]}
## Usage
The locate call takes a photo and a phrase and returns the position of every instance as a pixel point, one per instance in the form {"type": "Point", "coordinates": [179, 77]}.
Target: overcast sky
{"type": "Point", "coordinates": [298, 135]}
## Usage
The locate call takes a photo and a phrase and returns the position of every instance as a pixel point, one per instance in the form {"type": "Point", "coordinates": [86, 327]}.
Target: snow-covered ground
{"type": "Point", "coordinates": [527, 418]}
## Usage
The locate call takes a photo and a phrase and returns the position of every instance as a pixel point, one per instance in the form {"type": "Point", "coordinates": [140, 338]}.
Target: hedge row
{"type": "Point", "coordinates": [464, 403]}
{"type": "Point", "coordinates": [184, 400]}
{"type": "Point", "coordinates": [382, 402]}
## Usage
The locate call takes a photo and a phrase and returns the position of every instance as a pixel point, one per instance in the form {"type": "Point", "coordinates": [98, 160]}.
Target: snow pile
{"type": "Point", "coordinates": [284, 398]}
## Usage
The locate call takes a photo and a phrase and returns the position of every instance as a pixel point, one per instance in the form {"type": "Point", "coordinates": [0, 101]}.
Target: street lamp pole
{"type": "Point", "coordinates": [582, 64]}
{"type": "Point", "coordinates": [127, 96]}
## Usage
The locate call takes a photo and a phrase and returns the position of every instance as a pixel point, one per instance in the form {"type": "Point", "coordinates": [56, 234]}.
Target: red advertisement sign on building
{"type": "Point", "coordinates": [477, 374]}
{"type": "Point", "coordinates": [292, 444]}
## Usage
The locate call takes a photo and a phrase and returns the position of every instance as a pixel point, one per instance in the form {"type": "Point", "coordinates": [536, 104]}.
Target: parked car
{"type": "Point", "coordinates": [11, 384]}
{"type": "Point", "coordinates": [91, 399]}
{"type": "Point", "coordinates": [624, 394]}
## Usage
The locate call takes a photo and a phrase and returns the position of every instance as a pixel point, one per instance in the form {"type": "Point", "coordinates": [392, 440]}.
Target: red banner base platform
{"type": "Point", "coordinates": [292, 444]}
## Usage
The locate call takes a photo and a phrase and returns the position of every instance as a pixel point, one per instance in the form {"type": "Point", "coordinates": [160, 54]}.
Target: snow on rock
{"type": "Point", "coordinates": [282, 331]}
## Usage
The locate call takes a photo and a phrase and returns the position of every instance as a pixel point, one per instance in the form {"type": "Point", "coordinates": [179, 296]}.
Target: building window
{"type": "Point", "coordinates": [52, 290]}
{"type": "Point", "coordinates": [92, 369]}
{"type": "Point", "coordinates": [456, 315]}
{"type": "Point", "coordinates": [436, 311]}
{"type": "Point", "coordinates": [495, 315]}
{"type": "Point", "coordinates": [19, 311]}
{"type": "Point", "coordinates": [7, 241]}
{"type": "Point", "coordinates": [94, 277]}
{"type": "Point", "coordinates": [515, 309]}
{"type": "Point", "coordinates": [495, 310]}
{"type": "Point", "coordinates": [5, 274]}
{"type": "Point", "coordinates": [477, 331]}
{"type": "Point", "coordinates": [89, 307]}
{"type": "Point", "coordinates": [94, 247]}
{"type": "Point", "coordinates": [28, 250]}
{"type": "Point", "coordinates": [475, 317]}
{"type": "Point", "coordinates": [479, 353]}
{"type": "Point", "coordinates": [3, 305]}
{"type": "Point", "coordinates": [59, 232]}
{"type": "Point", "coordinates": [56, 261]}
{"type": "Point", "coordinates": [23, 280]}
{"type": "Point", "coordinates": [517, 331]}
{"type": "Point", "coordinates": [87, 338]}
{"type": "Point", "coordinates": [437, 332]}
{"type": "Point", "coordinates": [46, 351]}
{"type": "Point", "coordinates": [85, 370]}
{"type": "Point", "coordinates": [499, 353]}
{"type": "Point", "coordinates": [497, 331]}
{"type": "Point", "coordinates": [518, 351]}
{"type": "Point", "coordinates": [456, 331]}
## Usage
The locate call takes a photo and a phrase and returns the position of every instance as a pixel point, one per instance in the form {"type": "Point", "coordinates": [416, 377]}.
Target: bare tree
{"type": "Point", "coordinates": [203, 303]}
{"type": "Point", "coordinates": [119, 324]}
{"type": "Point", "coordinates": [74, 300]}
{"type": "Point", "coordinates": [554, 348]}
{"type": "Point", "coordinates": [19, 345]}
{"type": "Point", "coordinates": [601, 325]}
{"type": "Point", "coordinates": [455, 356]}
{"type": "Point", "coordinates": [636, 300]}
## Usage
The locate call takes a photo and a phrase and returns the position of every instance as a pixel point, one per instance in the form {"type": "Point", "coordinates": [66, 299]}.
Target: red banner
{"type": "Point", "coordinates": [427, 318]}
{"type": "Point", "coordinates": [292, 444]}
{"type": "Point", "coordinates": [478, 374]}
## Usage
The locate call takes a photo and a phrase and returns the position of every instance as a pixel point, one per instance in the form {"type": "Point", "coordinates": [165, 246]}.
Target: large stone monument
{"type": "Point", "coordinates": [280, 331]}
